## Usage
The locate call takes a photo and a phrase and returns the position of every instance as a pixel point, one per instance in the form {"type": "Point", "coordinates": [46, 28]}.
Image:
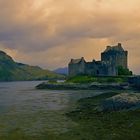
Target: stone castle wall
{"type": "Point", "coordinates": [116, 58]}
{"type": "Point", "coordinates": [92, 68]}
{"type": "Point", "coordinates": [111, 59]}
{"type": "Point", "coordinates": [77, 69]}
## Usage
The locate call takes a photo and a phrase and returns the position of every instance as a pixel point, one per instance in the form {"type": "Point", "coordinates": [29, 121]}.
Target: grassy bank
{"type": "Point", "coordinates": [90, 79]}
{"type": "Point", "coordinates": [104, 126]}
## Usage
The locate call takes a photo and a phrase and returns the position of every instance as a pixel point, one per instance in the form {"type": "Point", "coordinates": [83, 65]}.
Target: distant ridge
{"type": "Point", "coordinates": [63, 71]}
{"type": "Point", "coordinates": [13, 71]}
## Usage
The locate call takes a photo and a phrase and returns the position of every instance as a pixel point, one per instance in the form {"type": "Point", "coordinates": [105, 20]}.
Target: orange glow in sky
{"type": "Point", "coordinates": [57, 30]}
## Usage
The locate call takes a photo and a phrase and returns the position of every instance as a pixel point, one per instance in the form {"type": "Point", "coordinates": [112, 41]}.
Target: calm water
{"type": "Point", "coordinates": [32, 111]}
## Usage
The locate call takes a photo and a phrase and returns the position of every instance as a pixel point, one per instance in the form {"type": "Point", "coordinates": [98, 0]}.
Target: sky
{"type": "Point", "coordinates": [49, 33]}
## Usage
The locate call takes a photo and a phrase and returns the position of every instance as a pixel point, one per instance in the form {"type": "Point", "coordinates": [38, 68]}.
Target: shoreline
{"type": "Point", "coordinates": [86, 86]}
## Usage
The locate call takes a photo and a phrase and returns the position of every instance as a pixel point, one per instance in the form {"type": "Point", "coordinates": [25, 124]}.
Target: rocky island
{"type": "Point", "coordinates": [111, 72]}
{"type": "Point", "coordinates": [94, 83]}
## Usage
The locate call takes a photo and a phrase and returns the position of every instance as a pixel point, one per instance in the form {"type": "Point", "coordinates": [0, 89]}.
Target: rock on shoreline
{"type": "Point", "coordinates": [124, 101]}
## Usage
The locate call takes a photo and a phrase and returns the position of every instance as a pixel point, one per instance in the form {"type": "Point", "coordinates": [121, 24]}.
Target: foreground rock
{"type": "Point", "coordinates": [87, 86]}
{"type": "Point", "coordinates": [124, 101]}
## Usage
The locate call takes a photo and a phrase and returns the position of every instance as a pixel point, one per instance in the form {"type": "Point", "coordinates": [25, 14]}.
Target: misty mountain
{"type": "Point", "coordinates": [63, 71]}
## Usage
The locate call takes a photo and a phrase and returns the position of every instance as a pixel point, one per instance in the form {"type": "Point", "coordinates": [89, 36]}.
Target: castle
{"type": "Point", "coordinates": [112, 58]}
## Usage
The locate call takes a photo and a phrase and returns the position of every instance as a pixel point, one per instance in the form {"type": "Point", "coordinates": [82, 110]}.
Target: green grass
{"type": "Point", "coordinates": [90, 79]}
{"type": "Point", "coordinates": [12, 71]}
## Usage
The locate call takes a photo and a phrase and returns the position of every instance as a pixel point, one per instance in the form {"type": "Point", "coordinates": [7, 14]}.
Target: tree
{"type": "Point", "coordinates": [124, 71]}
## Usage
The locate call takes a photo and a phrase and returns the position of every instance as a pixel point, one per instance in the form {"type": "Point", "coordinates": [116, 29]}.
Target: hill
{"type": "Point", "coordinates": [63, 71]}
{"type": "Point", "coordinates": [13, 71]}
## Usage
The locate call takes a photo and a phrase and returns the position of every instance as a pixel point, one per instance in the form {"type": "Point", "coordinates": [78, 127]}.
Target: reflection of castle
{"type": "Point", "coordinates": [111, 59]}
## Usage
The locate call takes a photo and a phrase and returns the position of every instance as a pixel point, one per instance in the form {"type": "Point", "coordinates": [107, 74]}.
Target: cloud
{"type": "Point", "coordinates": [55, 30]}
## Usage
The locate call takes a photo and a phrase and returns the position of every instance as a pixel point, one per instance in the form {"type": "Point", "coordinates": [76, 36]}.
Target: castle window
{"type": "Point", "coordinates": [97, 72]}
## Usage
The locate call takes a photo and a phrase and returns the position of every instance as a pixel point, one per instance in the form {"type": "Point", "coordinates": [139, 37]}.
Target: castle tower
{"type": "Point", "coordinates": [76, 67]}
{"type": "Point", "coordinates": [115, 55]}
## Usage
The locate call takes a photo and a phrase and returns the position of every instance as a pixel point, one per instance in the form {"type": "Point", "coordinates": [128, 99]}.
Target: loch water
{"type": "Point", "coordinates": [32, 111]}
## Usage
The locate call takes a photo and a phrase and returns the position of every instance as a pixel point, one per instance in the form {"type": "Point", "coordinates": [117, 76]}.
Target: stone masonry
{"type": "Point", "coordinates": [111, 59]}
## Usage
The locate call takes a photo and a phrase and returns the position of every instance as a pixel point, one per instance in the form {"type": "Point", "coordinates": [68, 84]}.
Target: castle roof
{"type": "Point", "coordinates": [114, 48]}
{"type": "Point", "coordinates": [76, 61]}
